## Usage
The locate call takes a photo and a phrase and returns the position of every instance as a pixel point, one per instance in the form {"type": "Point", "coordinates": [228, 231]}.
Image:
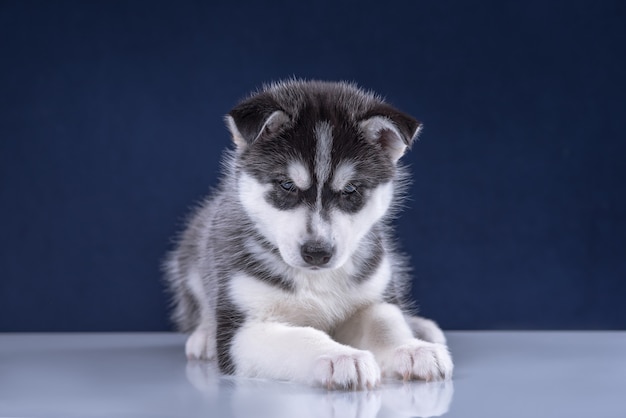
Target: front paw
{"type": "Point", "coordinates": [352, 370]}
{"type": "Point", "coordinates": [418, 360]}
{"type": "Point", "coordinates": [200, 345]}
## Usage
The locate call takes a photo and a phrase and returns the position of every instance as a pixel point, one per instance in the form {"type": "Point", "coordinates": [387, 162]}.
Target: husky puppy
{"type": "Point", "coordinates": [289, 270]}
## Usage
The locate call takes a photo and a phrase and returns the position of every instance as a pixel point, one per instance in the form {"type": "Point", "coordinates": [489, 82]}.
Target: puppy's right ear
{"type": "Point", "coordinates": [254, 119]}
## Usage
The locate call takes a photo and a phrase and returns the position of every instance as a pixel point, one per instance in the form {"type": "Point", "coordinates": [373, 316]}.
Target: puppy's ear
{"type": "Point", "coordinates": [392, 130]}
{"type": "Point", "coordinates": [255, 118]}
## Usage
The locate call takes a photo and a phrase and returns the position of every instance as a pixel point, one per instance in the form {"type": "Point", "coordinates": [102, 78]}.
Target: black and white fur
{"type": "Point", "coordinates": [289, 270]}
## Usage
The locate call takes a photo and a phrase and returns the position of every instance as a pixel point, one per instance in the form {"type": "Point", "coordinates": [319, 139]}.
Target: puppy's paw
{"type": "Point", "coordinates": [418, 360]}
{"type": "Point", "coordinates": [351, 370]}
{"type": "Point", "coordinates": [200, 345]}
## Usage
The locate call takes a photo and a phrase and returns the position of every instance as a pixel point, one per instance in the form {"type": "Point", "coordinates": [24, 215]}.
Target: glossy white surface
{"type": "Point", "coordinates": [498, 374]}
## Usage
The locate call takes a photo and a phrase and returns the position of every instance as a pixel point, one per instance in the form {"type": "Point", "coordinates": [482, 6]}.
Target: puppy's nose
{"type": "Point", "coordinates": [316, 253]}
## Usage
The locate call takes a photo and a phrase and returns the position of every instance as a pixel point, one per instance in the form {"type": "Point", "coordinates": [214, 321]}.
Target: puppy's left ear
{"type": "Point", "coordinates": [392, 130]}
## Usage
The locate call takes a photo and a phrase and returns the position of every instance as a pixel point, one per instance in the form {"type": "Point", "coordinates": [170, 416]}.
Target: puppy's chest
{"type": "Point", "coordinates": [322, 301]}
{"type": "Point", "coordinates": [319, 308]}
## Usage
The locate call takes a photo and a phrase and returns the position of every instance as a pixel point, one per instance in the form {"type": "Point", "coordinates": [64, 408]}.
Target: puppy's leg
{"type": "Point", "coordinates": [426, 329]}
{"type": "Point", "coordinates": [301, 354]}
{"type": "Point", "coordinates": [201, 343]}
{"type": "Point", "coordinates": [382, 329]}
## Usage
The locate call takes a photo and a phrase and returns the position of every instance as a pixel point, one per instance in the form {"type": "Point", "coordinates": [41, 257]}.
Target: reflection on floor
{"type": "Point", "coordinates": [511, 374]}
{"type": "Point", "coordinates": [252, 397]}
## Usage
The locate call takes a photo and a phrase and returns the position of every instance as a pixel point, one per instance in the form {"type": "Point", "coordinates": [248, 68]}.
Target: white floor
{"type": "Point", "coordinates": [498, 374]}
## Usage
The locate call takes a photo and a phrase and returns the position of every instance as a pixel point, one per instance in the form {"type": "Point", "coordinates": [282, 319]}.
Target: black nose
{"type": "Point", "coordinates": [316, 253]}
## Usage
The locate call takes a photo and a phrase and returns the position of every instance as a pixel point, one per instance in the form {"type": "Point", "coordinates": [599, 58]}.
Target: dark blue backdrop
{"type": "Point", "coordinates": [111, 128]}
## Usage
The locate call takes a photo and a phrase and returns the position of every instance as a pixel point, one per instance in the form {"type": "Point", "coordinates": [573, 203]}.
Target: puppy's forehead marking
{"type": "Point", "coordinates": [299, 174]}
{"type": "Point", "coordinates": [324, 145]}
{"type": "Point", "coordinates": [344, 173]}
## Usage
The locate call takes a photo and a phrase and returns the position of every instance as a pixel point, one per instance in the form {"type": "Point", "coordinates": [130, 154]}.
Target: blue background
{"type": "Point", "coordinates": [111, 129]}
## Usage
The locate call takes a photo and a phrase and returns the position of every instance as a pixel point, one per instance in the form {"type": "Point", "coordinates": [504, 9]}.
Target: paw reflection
{"type": "Point", "coordinates": [266, 398]}
{"type": "Point", "coordinates": [417, 399]}
{"type": "Point", "coordinates": [204, 376]}
{"type": "Point", "coordinates": [351, 404]}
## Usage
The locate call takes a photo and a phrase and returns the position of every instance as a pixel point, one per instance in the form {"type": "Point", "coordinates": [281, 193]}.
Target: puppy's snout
{"type": "Point", "coordinates": [316, 253]}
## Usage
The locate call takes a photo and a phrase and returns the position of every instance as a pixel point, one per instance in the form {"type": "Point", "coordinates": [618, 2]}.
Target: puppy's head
{"type": "Point", "coordinates": [316, 165]}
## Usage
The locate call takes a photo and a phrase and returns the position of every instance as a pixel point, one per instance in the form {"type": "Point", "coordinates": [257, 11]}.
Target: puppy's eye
{"type": "Point", "coordinates": [288, 186]}
{"type": "Point", "coordinates": [349, 189]}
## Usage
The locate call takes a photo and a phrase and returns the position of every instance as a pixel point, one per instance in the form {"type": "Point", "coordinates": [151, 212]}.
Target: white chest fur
{"type": "Point", "coordinates": [320, 300]}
